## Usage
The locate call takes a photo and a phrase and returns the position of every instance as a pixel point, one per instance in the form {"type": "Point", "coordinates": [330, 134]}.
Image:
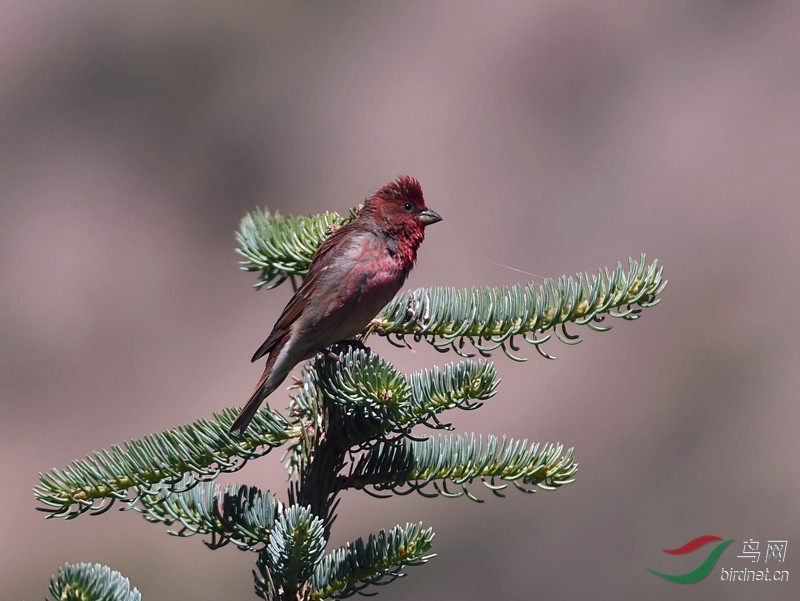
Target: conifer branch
{"type": "Point", "coordinates": [295, 548]}
{"type": "Point", "coordinates": [492, 318]}
{"type": "Point", "coordinates": [404, 466]}
{"type": "Point", "coordinates": [241, 515]}
{"type": "Point", "coordinates": [91, 582]}
{"type": "Point", "coordinates": [179, 458]}
{"type": "Point", "coordinates": [281, 247]}
{"type": "Point", "coordinates": [484, 318]}
{"type": "Point", "coordinates": [381, 560]}
{"type": "Point", "coordinates": [349, 425]}
{"type": "Point", "coordinates": [369, 397]}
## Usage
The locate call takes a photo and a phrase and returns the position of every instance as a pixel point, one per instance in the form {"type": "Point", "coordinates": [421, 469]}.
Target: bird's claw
{"type": "Point", "coordinates": [331, 355]}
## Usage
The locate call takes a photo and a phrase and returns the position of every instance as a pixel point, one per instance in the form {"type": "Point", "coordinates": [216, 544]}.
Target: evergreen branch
{"type": "Point", "coordinates": [295, 548]}
{"type": "Point", "coordinates": [370, 398]}
{"type": "Point", "coordinates": [281, 247]}
{"type": "Point", "coordinates": [491, 318]}
{"type": "Point", "coordinates": [403, 466]}
{"type": "Point", "coordinates": [448, 318]}
{"type": "Point", "coordinates": [455, 386]}
{"type": "Point", "coordinates": [180, 457]}
{"type": "Point", "coordinates": [305, 411]}
{"type": "Point", "coordinates": [349, 426]}
{"type": "Point", "coordinates": [351, 569]}
{"type": "Point", "coordinates": [242, 515]}
{"type": "Point", "coordinates": [91, 582]}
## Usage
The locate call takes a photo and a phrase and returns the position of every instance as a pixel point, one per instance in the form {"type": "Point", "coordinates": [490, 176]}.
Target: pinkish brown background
{"type": "Point", "coordinates": [551, 136]}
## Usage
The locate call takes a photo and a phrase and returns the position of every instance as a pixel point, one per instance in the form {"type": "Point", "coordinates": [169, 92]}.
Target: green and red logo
{"type": "Point", "coordinates": [705, 567]}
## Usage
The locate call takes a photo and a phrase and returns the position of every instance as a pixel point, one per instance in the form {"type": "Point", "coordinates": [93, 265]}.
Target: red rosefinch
{"type": "Point", "coordinates": [353, 275]}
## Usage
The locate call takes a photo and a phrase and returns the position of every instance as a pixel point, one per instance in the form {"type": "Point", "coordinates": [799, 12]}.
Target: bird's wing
{"type": "Point", "coordinates": [295, 306]}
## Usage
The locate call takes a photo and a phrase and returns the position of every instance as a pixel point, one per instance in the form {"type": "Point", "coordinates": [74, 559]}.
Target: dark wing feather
{"type": "Point", "coordinates": [295, 306]}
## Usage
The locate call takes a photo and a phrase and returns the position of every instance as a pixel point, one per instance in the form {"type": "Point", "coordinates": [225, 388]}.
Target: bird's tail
{"type": "Point", "coordinates": [261, 392]}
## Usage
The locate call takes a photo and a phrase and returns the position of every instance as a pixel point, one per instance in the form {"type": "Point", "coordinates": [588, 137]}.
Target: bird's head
{"type": "Point", "coordinates": [400, 204]}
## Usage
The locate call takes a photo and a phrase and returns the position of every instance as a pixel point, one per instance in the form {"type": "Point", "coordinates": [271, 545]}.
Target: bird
{"type": "Point", "coordinates": [354, 273]}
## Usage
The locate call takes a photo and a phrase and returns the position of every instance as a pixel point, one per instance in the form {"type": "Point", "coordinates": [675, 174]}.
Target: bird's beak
{"type": "Point", "coordinates": [428, 217]}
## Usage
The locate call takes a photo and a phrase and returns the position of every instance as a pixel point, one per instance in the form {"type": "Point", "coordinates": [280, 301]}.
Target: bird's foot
{"type": "Point", "coordinates": [330, 354]}
{"type": "Point", "coordinates": [342, 346]}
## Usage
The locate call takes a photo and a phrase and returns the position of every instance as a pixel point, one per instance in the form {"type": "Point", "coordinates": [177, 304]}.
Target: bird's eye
{"type": "Point", "coordinates": [408, 206]}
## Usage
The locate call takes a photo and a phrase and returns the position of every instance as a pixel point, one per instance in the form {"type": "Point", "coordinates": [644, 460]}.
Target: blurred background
{"type": "Point", "coordinates": [552, 137]}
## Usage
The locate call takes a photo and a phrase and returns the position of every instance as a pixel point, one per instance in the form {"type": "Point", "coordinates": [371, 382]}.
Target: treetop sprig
{"type": "Point", "coordinates": [350, 422]}
{"type": "Point", "coordinates": [281, 247]}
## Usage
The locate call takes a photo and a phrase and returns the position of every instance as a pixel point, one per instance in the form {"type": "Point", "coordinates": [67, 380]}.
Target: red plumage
{"type": "Point", "coordinates": [355, 272]}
